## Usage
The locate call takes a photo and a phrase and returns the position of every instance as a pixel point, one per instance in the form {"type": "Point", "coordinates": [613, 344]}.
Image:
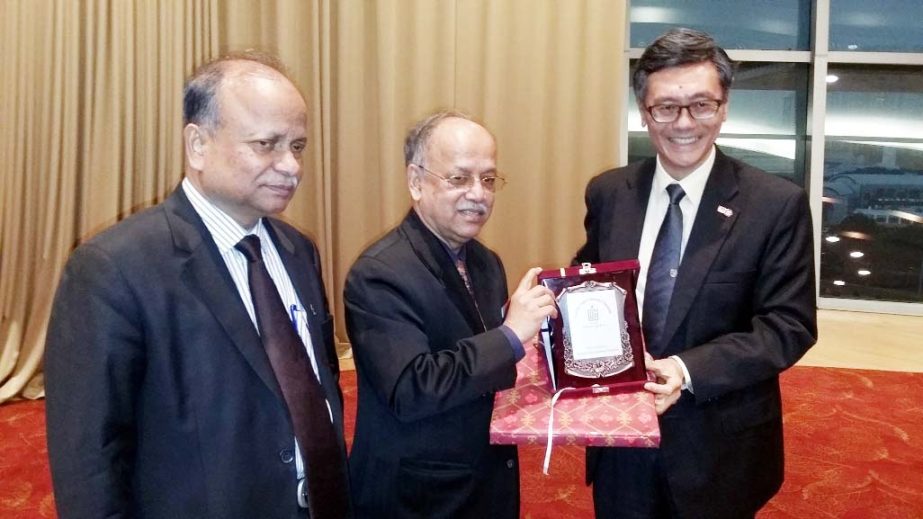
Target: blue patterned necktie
{"type": "Point", "coordinates": [662, 272]}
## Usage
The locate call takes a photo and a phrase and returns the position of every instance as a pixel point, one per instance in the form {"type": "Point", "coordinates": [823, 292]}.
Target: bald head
{"type": "Point", "coordinates": [201, 99]}
{"type": "Point", "coordinates": [455, 139]}
{"type": "Point", "coordinates": [418, 138]}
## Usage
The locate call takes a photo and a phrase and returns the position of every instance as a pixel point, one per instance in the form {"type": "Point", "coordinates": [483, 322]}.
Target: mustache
{"type": "Point", "coordinates": [481, 209]}
{"type": "Point", "coordinates": [289, 181]}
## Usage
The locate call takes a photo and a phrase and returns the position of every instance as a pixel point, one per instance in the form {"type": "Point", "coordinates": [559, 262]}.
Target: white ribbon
{"type": "Point", "coordinates": [554, 400]}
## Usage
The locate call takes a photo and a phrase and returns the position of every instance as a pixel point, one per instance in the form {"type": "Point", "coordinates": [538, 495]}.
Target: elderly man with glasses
{"type": "Point", "coordinates": [726, 292]}
{"type": "Point", "coordinates": [431, 344]}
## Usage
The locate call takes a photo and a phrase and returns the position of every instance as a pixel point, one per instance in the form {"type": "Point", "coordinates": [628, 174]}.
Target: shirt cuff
{"type": "Point", "coordinates": [687, 380]}
{"type": "Point", "coordinates": [518, 350]}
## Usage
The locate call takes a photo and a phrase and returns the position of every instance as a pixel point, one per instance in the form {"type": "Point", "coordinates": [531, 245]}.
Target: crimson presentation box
{"type": "Point", "coordinates": [521, 414]}
{"type": "Point", "coordinates": [595, 345]}
{"type": "Point", "coordinates": [593, 352]}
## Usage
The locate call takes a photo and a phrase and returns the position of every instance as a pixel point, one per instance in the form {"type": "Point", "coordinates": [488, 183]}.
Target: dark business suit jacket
{"type": "Point", "coordinates": [743, 309]}
{"type": "Point", "coordinates": [160, 397]}
{"type": "Point", "coordinates": [427, 370]}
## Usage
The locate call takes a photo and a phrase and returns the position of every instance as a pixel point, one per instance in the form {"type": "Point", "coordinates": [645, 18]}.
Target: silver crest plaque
{"type": "Point", "coordinates": [596, 339]}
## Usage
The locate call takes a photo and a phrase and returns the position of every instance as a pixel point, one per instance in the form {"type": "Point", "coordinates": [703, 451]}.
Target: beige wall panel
{"type": "Point", "coordinates": [546, 78]}
{"type": "Point", "coordinates": [393, 63]}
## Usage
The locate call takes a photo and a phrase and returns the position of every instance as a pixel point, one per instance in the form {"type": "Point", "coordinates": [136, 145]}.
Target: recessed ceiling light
{"type": "Point", "coordinates": [839, 282]}
{"type": "Point", "coordinates": [863, 272]}
{"type": "Point", "coordinates": [856, 254]}
{"type": "Point", "coordinates": [832, 239]}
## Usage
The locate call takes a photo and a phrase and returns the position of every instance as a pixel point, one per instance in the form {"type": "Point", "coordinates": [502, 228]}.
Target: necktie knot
{"type": "Point", "coordinates": [250, 247]}
{"type": "Point", "coordinates": [676, 193]}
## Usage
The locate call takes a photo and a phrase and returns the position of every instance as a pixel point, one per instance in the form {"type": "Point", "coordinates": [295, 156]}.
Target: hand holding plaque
{"type": "Point", "coordinates": [667, 385]}
{"type": "Point", "coordinates": [529, 306]}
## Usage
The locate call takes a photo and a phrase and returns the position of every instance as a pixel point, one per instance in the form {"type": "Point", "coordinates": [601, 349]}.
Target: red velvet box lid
{"type": "Point", "coordinates": [520, 416]}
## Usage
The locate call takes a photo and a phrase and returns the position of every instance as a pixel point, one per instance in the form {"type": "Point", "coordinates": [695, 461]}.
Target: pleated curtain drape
{"type": "Point", "coordinates": [90, 97]}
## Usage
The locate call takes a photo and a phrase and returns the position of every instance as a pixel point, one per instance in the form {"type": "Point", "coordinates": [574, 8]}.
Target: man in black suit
{"type": "Point", "coordinates": [726, 289]}
{"type": "Point", "coordinates": [423, 312]}
{"type": "Point", "coordinates": [162, 399]}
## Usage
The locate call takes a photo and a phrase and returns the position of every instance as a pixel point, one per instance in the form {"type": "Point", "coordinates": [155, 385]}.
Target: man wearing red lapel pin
{"type": "Point", "coordinates": [726, 291]}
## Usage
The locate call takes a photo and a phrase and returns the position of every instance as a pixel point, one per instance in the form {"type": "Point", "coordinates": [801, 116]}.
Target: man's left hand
{"type": "Point", "coordinates": [669, 382]}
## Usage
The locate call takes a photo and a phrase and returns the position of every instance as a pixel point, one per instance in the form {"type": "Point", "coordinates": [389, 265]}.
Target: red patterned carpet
{"type": "Point", "coordinates": [854, 441]}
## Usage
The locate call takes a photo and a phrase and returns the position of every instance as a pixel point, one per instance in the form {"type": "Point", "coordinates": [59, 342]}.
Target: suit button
{"type": "Point", "coordinates": [286, 455]}
{"type": "Point", "coordinates": [510, 464]}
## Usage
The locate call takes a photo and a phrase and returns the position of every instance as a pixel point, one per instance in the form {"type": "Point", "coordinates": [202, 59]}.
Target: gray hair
{"type": "Point", "coordinates": [417, 142]}
{"type": "Point", "coordinates": [200, 102]}
{"type": "Point", "coordinates": [677, 47]}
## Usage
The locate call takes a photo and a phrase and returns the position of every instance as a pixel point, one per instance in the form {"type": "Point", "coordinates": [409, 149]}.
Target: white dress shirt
{"type": "Point", "coordinates": [226, 233]}
{"type": "Point", "coordinates": [657, 203]}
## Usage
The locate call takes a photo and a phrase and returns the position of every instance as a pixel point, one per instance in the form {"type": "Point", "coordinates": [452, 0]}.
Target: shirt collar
{"type": "Point", "coordinates": [693, 184]}
{"type": "Point", "coordinates": [452, 254]}
{"type": "Point", "coordinates": [225, 231]}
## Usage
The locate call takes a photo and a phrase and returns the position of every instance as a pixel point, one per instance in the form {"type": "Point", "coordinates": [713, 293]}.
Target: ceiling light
{"type": "Point", "coordinates": [855, 235]}
{"type": "Point", "coordinates": [832, 78]}
{"type": "Point", "coordinates": [856, 254]}
{"type": "Point", "coordinates": [863, 272]}
{"type": "Point", "coordinates": [832, 239]}
{"type": "Point", "coordinates": [839, 282]}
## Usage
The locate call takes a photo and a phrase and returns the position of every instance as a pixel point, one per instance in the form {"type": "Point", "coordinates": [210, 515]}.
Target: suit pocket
{"type": "Point", "coordinates": [723, 277]}
{"type": "Point", "coordinates": [747, 417]}
{"type": "Point", "coordinates": [724, 304]}
{"type": "Point", "coordinates": [431, 489]}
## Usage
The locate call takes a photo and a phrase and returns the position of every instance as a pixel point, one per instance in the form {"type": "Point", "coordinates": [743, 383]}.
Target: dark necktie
{"type": "Point", "coordinates": [324, 465]}
{"type": "Point", "coordinates": [662, 272]}
{"type": "Point", "coordinates": [463, 272]}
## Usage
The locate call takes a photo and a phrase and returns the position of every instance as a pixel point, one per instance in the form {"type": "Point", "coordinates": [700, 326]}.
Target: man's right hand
{"type": "Point", "coordinates": [530, 304]}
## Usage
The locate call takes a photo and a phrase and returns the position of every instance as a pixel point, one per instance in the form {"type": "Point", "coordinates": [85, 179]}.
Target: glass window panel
{"type": "Point", "coordinates": [872, 239]}
{"type": "Point", "coordinates": [766, 120]}
{"type": "Point", "coordinates": [736, 24]}
{"type": "Point", "coordinates": [884, 25]}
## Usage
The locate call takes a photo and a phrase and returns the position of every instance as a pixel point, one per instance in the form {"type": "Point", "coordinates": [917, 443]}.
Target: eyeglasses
{"type": "Point", "coordinates": [699, 110]}
{"type": "Point", "coordinates": [492, 183]}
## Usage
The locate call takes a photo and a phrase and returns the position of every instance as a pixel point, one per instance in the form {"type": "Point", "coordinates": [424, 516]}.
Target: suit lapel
{"type": "Point", "coordinates": [709, 232]}
{"type": "Point", "coordinates": [436, 258]}
{"type": "Point", "coordinates": [302, 273]}
{"type": "Point", "coordinates": [477, 259]}
{"type": "Point", "coordinates": [207, 277]}
{"type": "Point", "coordinates": [628, 216]}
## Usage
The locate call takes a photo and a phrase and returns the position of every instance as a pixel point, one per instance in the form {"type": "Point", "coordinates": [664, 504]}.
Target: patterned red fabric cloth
{"type": "Point", "coordinates": [521, 413]}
